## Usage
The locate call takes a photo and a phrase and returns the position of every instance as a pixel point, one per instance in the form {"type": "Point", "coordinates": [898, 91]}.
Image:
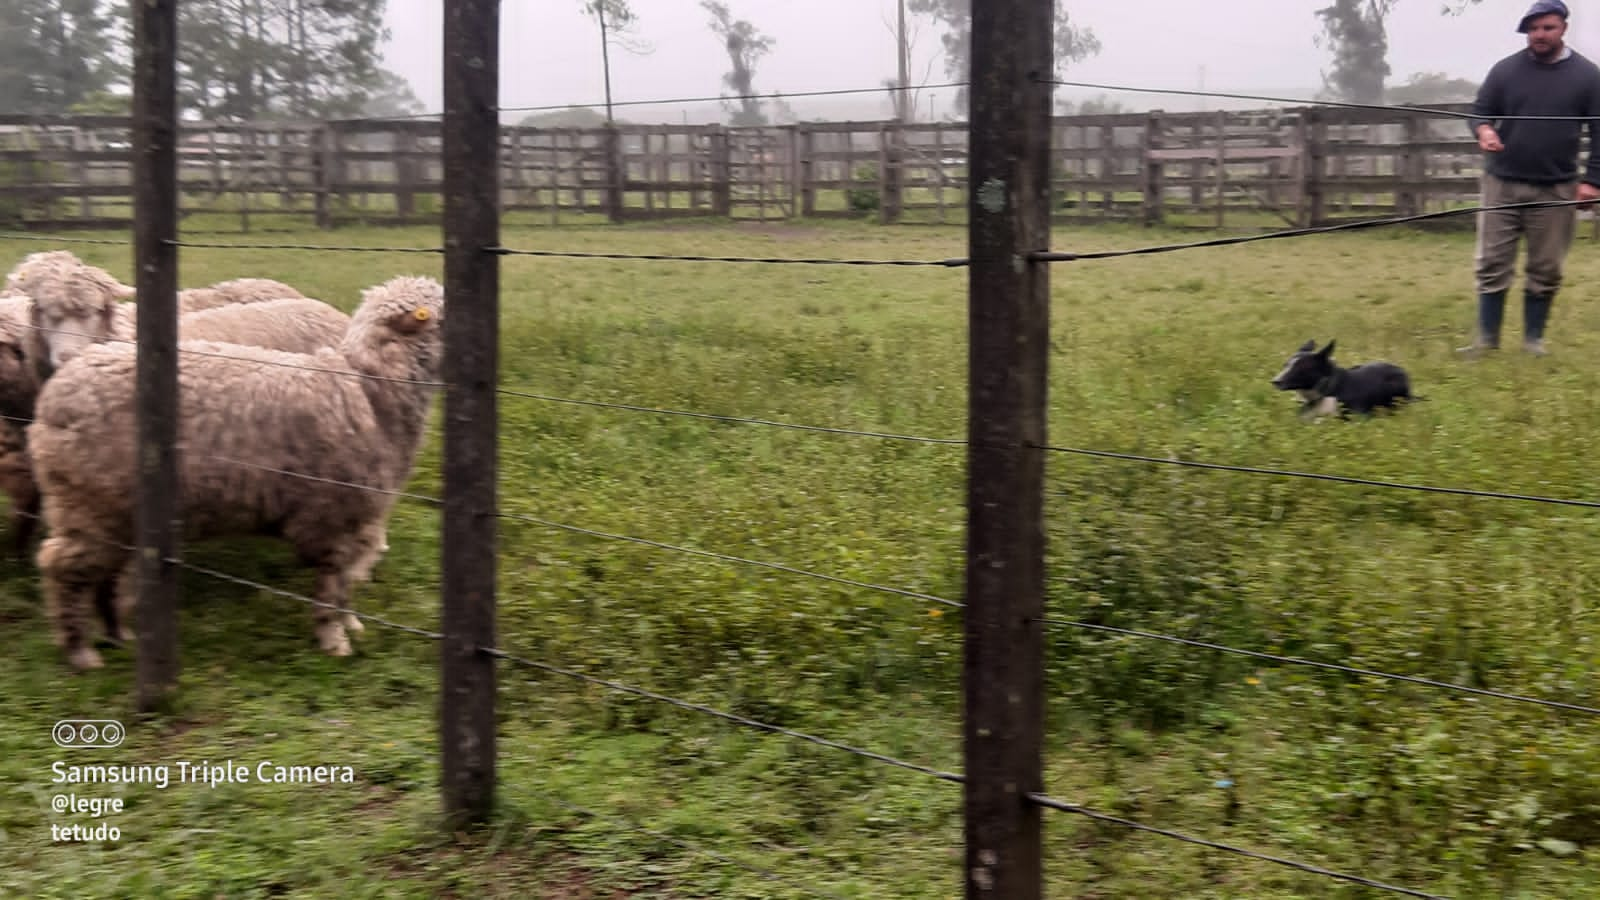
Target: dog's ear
{"type": "Point", "coordinates": [1307, 347]}
{"type": "Point", "coordinates": [1327, 351]}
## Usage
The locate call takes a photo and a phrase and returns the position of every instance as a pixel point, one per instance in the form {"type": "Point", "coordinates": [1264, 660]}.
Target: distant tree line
{"type": "Point", "coordinates": [237, 59]}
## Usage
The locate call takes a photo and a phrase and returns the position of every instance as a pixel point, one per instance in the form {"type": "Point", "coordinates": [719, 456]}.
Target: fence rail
{"type": "Point", "coordinates": [1299, 165]}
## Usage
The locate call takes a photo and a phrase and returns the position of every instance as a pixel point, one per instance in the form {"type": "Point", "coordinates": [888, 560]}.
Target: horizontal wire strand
{"type": "Point", "coordinates": [221, 245]}
{"type": "Point", "coordinates": [57, 239]}
{"type": "Point", "coordinates": [1290, 101]}
{"type": "Point", "coordinates": [1300, 661]}
{"type": "Point", "coordinates": [103, 339]}
{"type": "Point", "coordinates": [1320, 476]}
{"type": "Point", "coordinates": [719, 714]}
{"type": "Point", "coordinates": [731, 419]}
{"type": "Point", "coordinates": [627, 824]}
{"type": "Point", "coordinates": [1049, 802]}
{"type": "Point", "coordinates": [891, 88]}
{"type": "Point", "coordinates": [1057, 256]}
{"type": "Point", "coordinates": [723, 557]}
{"type": "Point", "coordinates": [955, 262]}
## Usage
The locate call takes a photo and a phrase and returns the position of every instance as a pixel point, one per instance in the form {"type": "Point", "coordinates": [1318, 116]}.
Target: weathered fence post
{"type": "Point", "coordinates": [155, 178]}
{"type": "Point", "coordinates": [1109, 168]}
{"type": "Point", "coordinates": [891, 171]}
{"type": "Point", "coordinates": [808, 169]}
{"type": "Point", "coordinates": [1222, 167]}
{"type": "Point", "coordinates": [1197, 169]}
{"type": "Point", "coordinates": [405, 167]}
{"type": "Point", "coordinates": [1154, 184]}
{"type": "Point", "coordinates": [1412, 171]}
{"type": "Point", "coordinates": [1314, 148]}
{"type": "Point", "coordinates": [616, 172]}
{"type": "Point", "coordinates": [471, 361]}
{"type": "Point", "coordinates": [327, 142]}
{"type": "Point", "coordinates": [721, 171]}
{"type": "Point", "coordinates": [1009, 325]}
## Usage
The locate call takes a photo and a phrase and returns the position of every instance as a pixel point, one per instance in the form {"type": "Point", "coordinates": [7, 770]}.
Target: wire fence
{"type": "Point", "coordinates": [1038, 798]}
{"type": "Point", "coordinates": [550, 668]}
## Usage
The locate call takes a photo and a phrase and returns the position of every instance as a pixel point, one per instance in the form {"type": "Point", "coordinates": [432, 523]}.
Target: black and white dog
{"type": "Point", "coordinates": [1328, 389]}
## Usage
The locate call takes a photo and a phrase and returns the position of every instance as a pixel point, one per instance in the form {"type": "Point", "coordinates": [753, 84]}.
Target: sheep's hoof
{"type": "Point", "coordinates": [333, 639]}
{"type": "Point", "coordinates": [353, 623]}
{"type": "Point", "coordinates": [85, 658]}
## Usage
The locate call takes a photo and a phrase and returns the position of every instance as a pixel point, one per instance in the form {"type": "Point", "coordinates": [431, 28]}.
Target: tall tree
{"type": "Point", "coordinates": [1354, 31]}
{"type": "Point", "coordinates": [56, 53]}
{"type": "Point", "coordinates": [618, 25]}
{"type": "Point", "coordinates": [249, 59]}
{"type": "Point", "coordinates": [745, 46]}
{"type": "Point", "coordinates": [1072, 42]}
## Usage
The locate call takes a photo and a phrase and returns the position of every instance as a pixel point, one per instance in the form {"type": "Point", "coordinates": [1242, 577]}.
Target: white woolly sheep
{"type": "Point", "coordinates": [77, 304]}
{"type": "Point", "coordinates": [237, 290]}
{"type": "Point", "coordinates": [246, 415]}
{"type": "Point", "coordinates": [293, 325]}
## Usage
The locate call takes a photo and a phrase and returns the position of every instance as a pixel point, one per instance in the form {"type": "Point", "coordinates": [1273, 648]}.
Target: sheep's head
{"type": "Point", "coordinates": [18, 386]}
{"type": "Point", "coordinates": [401, 322]}
{"type": "Point", "coordinates": [74, 305]}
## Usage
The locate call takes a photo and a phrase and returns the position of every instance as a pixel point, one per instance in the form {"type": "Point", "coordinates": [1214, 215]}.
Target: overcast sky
{"type": "Point", "coordinates": [550, 51]}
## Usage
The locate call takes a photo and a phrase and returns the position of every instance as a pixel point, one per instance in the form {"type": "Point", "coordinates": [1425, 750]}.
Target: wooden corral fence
{"type": "Point", "coordinates": [1299, 166]}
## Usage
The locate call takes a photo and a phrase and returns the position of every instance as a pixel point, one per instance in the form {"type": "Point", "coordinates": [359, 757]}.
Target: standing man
{"type": "Point", "coordinates": [1530, 160]}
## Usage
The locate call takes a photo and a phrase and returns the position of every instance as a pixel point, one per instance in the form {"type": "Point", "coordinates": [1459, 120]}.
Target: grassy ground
{"type": "Point", "coordinates": [1165, 355]}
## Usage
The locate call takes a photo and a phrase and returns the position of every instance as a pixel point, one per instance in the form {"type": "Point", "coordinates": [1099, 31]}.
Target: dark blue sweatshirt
{"type": "Point", "coordinates": [1540, 151]}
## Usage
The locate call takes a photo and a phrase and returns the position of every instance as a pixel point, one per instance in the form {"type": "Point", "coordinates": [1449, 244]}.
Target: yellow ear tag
{"type": "Point", "coordinates": [422, 315]}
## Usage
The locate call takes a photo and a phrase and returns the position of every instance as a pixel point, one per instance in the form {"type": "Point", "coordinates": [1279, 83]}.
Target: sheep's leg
{"type": "Point", "coordinates": [371, 542]}
{"type": "Point", "coordinates": [72, 571]}
{"type": "Point", "coordinates": [119, 600]}
{"type": "Point", "coordinates": [333, 592]}
{"type": "Point", "coordinates": [24, 522]}
{"type": "Point", "coordinates": [22, 529]}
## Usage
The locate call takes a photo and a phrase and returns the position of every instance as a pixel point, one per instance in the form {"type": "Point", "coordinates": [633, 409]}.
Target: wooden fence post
{"type": "Point", "coordinates": [891, 166]}
{"type": "Point", "coordinates": [721, 172]}
{"type": "Point", "coordinates": [155, 167]}
{"type": "Point", "coordinates": [1314, 147]}
{"type": "Point", "coordinates": [325, 160]}
{"type": "Point", "coordinates": [616, 172]}
{"type": "Point", "coordinates": [405, 167]}
{"type": "Point", "coordinates": [1009, 328]}
{"type": "Point", "coordinates": [1222, 167]}
{"type": "Point", "coordinates": [1197, 169]}
{"type": "Point", "coordinates": [471, 360]}
{"type": "Point", "coordinates": [808, 170]}
{"type": "Point", "coordinates": [1413, 167]}
{"type": "Point", "coordinates": [1154, 182]}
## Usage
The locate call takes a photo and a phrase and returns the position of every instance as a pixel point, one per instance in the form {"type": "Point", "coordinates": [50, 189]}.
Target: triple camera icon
{"type": "Point", "coordinates": [88, 734]}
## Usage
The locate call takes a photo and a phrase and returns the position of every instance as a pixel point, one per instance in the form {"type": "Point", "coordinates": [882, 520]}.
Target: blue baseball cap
{"type": "Point", "coordinates": [1542, 8]}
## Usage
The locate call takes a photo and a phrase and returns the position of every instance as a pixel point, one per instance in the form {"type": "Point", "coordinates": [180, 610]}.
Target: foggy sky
{"type": "Point", "coordinates": [550, 51]}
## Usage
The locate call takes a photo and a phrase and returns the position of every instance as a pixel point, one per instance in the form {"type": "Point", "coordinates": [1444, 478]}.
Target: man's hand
{"type": "Point", "coordinates": [1489, 140]}
{"type": "Point", "coordinates": [1587, 194]}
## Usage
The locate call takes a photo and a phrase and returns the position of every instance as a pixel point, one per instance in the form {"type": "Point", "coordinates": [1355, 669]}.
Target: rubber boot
{"type": "Point", "coordinates": [1535, 313]}
{"type": "Point", "coordinates": [1491, 313]}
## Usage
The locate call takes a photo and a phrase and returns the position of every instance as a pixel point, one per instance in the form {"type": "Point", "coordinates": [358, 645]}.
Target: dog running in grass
{"type": "Point", "coordinates": [1327, 389]}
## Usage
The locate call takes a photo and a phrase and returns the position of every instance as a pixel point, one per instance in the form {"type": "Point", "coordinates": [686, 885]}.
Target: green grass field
{"type": "Point", "coordinates": [1166, 355]}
